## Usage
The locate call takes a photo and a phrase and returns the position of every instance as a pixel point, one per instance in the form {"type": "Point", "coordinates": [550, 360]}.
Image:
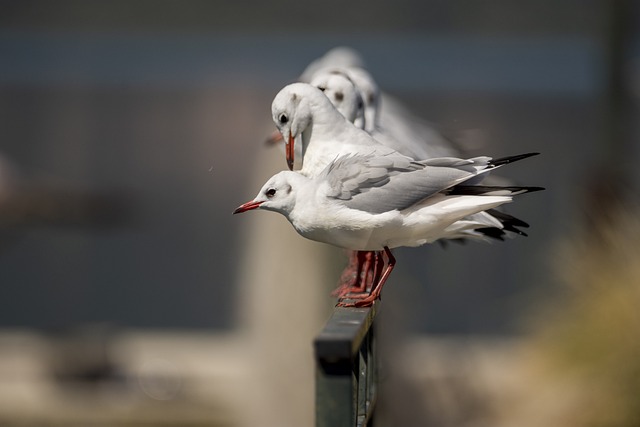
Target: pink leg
{"type": "Point", "coordinates": [371, 274]}
{"type": "Point", "coordinates": [355, 282]}
{"type": "Point", "coordinates": [350, 275]}
{"type": "Point", "coordinates": [371, 271]}
{"type": "Point", "coordinates": [377, 270]}
{"type": "Point", "coordinates": [363, 281]}
{"type": "Point", "coordinates": [377, 289]}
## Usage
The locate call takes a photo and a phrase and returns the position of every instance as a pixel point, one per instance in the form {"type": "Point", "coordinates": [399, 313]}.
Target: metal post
{"type": "Point", "coordinates": [346, 371]}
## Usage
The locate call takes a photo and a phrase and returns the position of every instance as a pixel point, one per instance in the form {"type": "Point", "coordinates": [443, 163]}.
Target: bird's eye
{"type": "Point", "coordinates": [322, 88]}
{"type": "Point", "coordinates": [283, 118]}
{"type": "Point", "coordinates": [271, 192]}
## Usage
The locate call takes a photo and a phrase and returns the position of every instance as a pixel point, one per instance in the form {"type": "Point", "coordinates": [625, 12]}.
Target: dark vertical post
{"type": "Point", "coordinates": [346, 372]}
{"type": "Point", "coordinates": [615, 140]}
{"type": "Point", "coordinates": [609, 184]}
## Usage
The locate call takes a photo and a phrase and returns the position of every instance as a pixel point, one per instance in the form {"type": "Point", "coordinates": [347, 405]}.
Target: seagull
{"type": "Point", "coordinates": [302, 112]}
{"type": "Point", "coordinates": [345, 96]}
{"type": "Point", "coordinates": [396, 126]}
{"type": "Point", "coordinates": [356, 96]}
{"type": "Point", "coordinates": [368, 202]}
{"type": "Point", "coordinates": [383, 112]}
{"type": "Point", "coordinates": [382, 116]}
{"type": "Point", "coordinates": [340, 56]}
{"type": "Point", "coordinates": [338, 84]}
{"type": "Point", "coordinates": [357, 101]}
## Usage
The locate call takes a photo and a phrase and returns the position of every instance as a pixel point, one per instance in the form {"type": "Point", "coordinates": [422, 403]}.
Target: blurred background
{"type": "Point", "coordinates": [129, 294]}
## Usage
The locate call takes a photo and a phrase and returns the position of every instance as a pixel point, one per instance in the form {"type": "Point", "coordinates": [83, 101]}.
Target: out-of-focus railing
{"type": "Point", "coordinates": [346, 371]}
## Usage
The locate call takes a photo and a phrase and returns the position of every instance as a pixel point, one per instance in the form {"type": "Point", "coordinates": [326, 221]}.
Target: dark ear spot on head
{"type": "Point", "coordinates": [294, 97]}
{"type": "Point", "coordinates": [339, 96]}
{"type": "Point", "coordinates": [371, 98]}
{"type": "Point", "coordinates": [341, 73]}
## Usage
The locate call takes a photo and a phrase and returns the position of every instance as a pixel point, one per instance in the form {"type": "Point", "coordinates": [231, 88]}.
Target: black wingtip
{"type": "Point", "coordinates": [534, 189]}
{"type": "Point", "coordinates": [482, 190]}
{"type": "Point", "coordinates": [510, 159]}
{"type": "Point", "coordinates": [509, 223]}
{"type": "Point", "coordinates": [492, 232]}
{"type": "Point", "coordinates": [507, 219]}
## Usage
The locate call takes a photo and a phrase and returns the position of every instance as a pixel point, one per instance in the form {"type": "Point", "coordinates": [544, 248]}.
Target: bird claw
{"type": "Point", "coordinates": [365, 302]}
{"type": "Point", "coordinates": [356, 295]}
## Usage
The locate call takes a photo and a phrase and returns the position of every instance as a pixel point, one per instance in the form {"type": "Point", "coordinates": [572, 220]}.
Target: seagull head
{"type": "Point", "coordinates": [291, 113]}
{"type": "Point", "coordinates": [276, 195]}
{"type": "Point", "coordinates": [343, 94]}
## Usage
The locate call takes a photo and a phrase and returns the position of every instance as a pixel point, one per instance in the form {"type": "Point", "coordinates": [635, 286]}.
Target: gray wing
{"type": "Point", "coordinates": [383, 183]}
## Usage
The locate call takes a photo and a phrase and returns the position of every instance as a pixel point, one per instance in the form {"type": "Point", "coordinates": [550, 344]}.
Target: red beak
{"type": "Point", "coordinates": [274, 138]}
{"type": "Point", "coordinates": [289, 151]}
{"type": "Point", "coordinates": [247, 207]}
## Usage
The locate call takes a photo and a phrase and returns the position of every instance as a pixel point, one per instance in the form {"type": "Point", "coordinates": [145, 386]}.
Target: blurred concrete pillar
{"type": "Point", "coordinates": [283, 304]}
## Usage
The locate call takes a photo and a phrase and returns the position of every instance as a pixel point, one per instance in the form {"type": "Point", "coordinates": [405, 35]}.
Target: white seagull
{"type": "Point", "coordinates": [314, 129]}
{"type": "Point", "coordinates": [393, 126]}
{"type": "Point", "coordinates": [384, 114]}
{"type": "Point", "coordinates": [380, 114]}
{"type": "Point", "coordinates": [305, 116]}
{"type": "Point", "coordinates": [340, 56]}
{"type": "Point", "coordinates": [356, 96]}
{"type": "Point", "coordinates": [376, 203]}
{"type": "Point", "coordinates": [345, 96]}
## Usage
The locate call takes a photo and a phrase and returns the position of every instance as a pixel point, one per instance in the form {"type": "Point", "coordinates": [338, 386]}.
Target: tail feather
{"type": "Point", "coordinates": [507, 228]}
{"type": "Point", "coordinates": [510, 159]}
{"type": "Point", "coordinates": [491, 190]}
{"type": "Point", "coordinates": [505, 225]}
{"type": "Point", "coordinates": [509, 224]}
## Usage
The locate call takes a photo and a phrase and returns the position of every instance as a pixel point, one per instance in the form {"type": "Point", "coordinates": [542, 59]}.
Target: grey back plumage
{"type": "Point", "coordinates": [378, 184]}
